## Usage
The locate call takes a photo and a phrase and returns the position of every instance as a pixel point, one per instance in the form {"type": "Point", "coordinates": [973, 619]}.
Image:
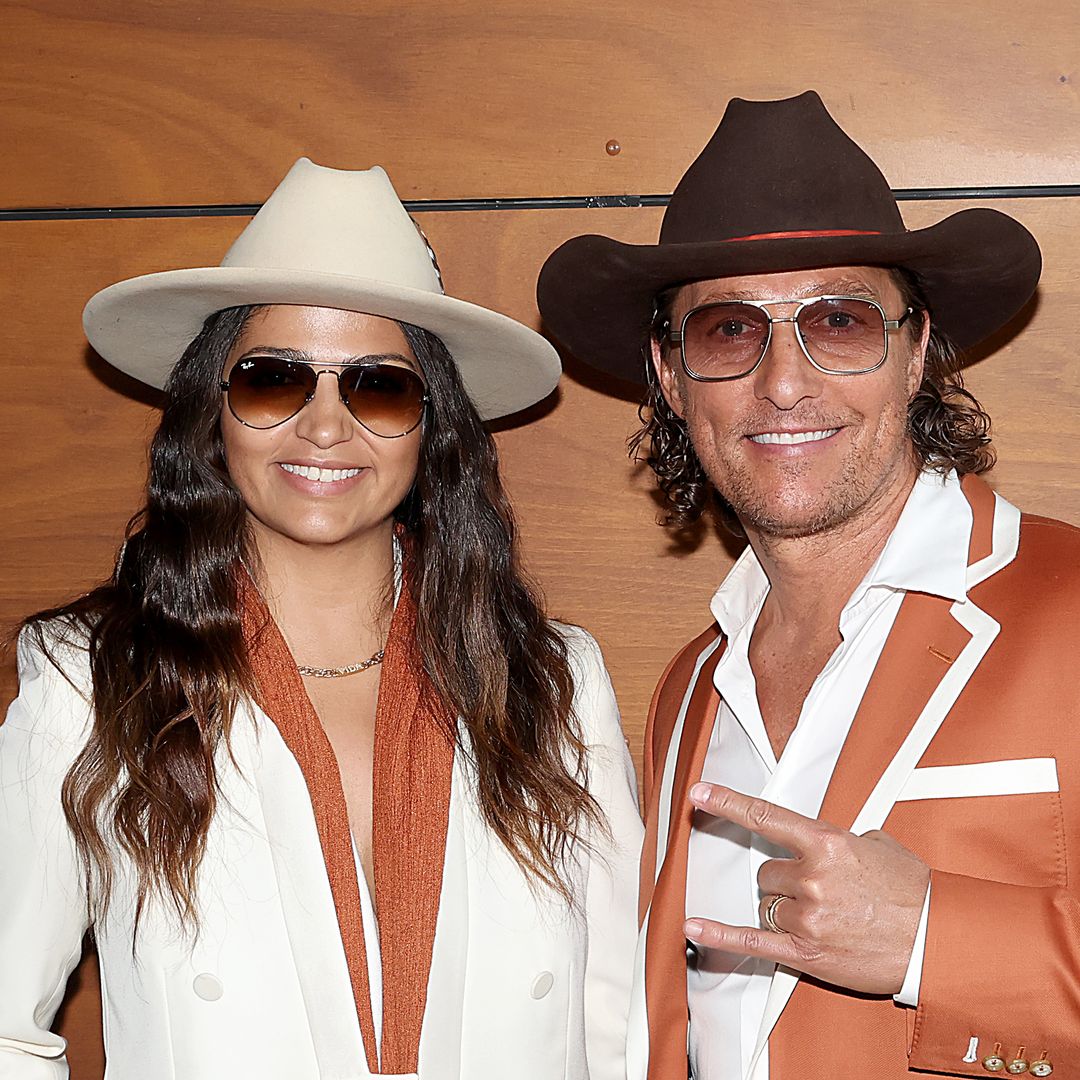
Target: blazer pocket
{"type": "Point", "coordinates": [1019, 776]}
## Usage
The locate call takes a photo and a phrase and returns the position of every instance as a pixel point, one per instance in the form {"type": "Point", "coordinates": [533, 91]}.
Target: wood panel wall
{"type": "Point", "coordinates": [111, 104]}
{"type": "Point", "coordinates": [193, 101]}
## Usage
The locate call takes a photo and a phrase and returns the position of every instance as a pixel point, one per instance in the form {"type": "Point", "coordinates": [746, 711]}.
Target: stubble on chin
{"type": "Point", "coordinates": [795, 505]}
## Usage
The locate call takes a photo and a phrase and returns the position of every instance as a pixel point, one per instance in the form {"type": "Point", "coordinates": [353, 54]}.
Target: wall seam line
{"type": "Point", "coordinates": [556, 202]}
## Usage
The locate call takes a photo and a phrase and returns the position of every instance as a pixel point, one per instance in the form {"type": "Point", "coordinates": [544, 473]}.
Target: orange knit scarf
{"type": "Point", "coordinates": [413, 763]}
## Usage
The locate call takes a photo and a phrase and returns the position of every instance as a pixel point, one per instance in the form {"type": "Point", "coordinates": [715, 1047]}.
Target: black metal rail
{"type": "Point", "coordinates": [557, 202]}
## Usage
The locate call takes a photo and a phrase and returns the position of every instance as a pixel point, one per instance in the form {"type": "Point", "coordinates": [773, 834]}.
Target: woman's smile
{"type": "Point", "coordinates": [321, 478]}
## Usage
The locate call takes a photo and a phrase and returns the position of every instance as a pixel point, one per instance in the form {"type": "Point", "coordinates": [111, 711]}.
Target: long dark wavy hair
{"type": "Point", "coordinates": [168, 660]}
{"type": "Point", "coordinates": [948, 427]}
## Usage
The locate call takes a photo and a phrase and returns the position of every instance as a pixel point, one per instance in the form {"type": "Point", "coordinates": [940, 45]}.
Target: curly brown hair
{"type": "Point", "coordinates": [948, 427]}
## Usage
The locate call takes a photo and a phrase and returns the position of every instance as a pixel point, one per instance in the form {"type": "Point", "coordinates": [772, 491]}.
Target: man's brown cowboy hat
{"type": "Point", "coordinates": [781, 187]}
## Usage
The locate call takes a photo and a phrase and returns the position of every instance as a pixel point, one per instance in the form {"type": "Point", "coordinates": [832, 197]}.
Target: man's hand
{"type": "Point", "coordinates": [853, 902]}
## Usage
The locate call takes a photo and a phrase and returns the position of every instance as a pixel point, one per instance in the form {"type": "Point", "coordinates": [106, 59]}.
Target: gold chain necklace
{"type": "Point", "coordinates": [339, 672]}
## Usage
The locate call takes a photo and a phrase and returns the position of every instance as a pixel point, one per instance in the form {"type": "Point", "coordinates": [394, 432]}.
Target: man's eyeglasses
{"type": "Point", "coordinates": [265, 391]}
{"type": "Point", "coordinates": [839, 335]}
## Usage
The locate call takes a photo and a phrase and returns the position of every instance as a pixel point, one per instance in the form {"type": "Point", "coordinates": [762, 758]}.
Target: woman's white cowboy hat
{"type": "Point", "coordinates": [325, 238]}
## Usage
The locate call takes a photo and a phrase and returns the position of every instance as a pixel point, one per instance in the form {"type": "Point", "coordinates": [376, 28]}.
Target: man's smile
{"type": "Point", "coordinates": [791, 438]}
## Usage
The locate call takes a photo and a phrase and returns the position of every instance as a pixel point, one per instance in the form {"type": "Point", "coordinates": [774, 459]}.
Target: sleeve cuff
{"type": "Point", "coordinates": [909, 992]}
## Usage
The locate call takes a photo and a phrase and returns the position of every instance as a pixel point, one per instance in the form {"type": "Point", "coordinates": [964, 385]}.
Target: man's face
{"type": "Point", "coordinates": [851, 448]}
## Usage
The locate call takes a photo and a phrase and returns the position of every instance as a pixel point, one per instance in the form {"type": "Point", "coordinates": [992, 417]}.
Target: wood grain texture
{"type": "Point", "coordinates": [586, 512]}
{"type": "Point", "coordinates": [178, 102]}
{"type": "Point", "coordinates": [78, 432]}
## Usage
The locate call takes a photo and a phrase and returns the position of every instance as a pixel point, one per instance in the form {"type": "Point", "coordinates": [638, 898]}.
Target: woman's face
{"type": "Point", "coordinates": [273, 467]}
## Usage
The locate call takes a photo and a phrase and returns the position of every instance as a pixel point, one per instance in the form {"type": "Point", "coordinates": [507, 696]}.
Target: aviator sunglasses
{"type": "Point", "coordinates": [386, 399]}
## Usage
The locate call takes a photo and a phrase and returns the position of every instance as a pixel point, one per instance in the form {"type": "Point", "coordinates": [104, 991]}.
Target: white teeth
{"type": "Point", "coordinates": [323, 476]}
{"type": "Point", "coordinates": [787, 438]}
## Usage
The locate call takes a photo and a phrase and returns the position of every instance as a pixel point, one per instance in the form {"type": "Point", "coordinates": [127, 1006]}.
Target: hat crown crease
{"type": "Point", "coordinates": [332, 221]}
{"type": "Point", "coordinates": [779, 167]}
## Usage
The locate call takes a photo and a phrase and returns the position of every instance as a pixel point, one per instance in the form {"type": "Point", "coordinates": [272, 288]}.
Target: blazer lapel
{"type": "Point", "coordinates": [307, 907]}
{"type": "Point", "coordinates": [665, 944]}
{"type": "Point", "coordinates": [924, 643]}
{"type": "Point", "coordinates": [932, 651]}
{"type": "Point", "coordinates": [441, 1036]}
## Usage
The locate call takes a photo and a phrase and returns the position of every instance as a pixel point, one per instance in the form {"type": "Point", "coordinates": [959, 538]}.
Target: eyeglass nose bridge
{"type": "Point", "coordinates": [318, 372]}
{"type": "Point", "coordinates": [799, 339]}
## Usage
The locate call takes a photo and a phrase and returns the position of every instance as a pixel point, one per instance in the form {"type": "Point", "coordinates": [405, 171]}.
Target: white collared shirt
{"type": "Point", "coordinates": [927, 552]}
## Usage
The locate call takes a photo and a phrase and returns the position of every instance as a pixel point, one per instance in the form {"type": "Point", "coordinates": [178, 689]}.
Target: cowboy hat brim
{"type": "Point", "coordinates": [143, 325]}
{"type": "Point", "coordinates": [977, 269]}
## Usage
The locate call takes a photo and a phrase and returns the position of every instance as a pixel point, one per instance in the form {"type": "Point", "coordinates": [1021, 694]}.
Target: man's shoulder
{"type": "Point", "coordinates": [1060, 531]}
{"type": "Point", "coordinates": [1047, 543]}
{"type": "Point", "coordinates": [1042, 580]}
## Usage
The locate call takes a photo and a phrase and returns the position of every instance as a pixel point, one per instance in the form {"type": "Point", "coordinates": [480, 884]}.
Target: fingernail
{"type": "Point", "coordinates": [693, 928]}
{"type": "Point", "coordinates": [700, 792]}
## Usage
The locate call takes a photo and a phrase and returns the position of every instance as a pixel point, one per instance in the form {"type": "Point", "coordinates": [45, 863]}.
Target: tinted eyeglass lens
{"type": "Point", "coordinates": [387, 399]}
{"type": "Point", "coordinates": [724, 340]}
{"type": "Point", "coordinates": [843, 334]}
{"type": "Point", "coordinates": [265, 391]}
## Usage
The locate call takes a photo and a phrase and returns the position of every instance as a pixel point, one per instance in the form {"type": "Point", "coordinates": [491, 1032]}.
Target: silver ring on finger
{"type": "Point", "coordinates": [769, 915]}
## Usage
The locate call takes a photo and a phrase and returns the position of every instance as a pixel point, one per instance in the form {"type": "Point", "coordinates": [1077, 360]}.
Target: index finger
{"type": "Point", "coordinates": [798, 834]}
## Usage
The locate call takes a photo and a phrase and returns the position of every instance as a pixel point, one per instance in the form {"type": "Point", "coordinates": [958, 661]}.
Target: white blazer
{"type": "Point", "coordinates": [520, 985]}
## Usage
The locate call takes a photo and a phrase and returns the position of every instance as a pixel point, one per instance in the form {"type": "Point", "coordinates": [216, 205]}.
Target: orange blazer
{"type": "Point", "coordinates": [966, 749]}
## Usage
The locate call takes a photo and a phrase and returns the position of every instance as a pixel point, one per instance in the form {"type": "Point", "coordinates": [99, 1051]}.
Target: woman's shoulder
{"type": "Point", "coordinates": [55, 687]}
{"type": "Point", "coordinates": [582, 650]}
{"type": "Point", "coordinates": [611, 772]}
{"type": "Point", "coordinates": [61, 642]}
{"type": "Point", "coordinates": [577, 638]}
{"type": "Point", "coordinates": [594, 696]}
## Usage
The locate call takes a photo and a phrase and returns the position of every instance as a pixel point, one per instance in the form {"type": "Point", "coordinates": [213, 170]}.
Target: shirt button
{"type": "Point", "coordinates": [542, 985]}
{"type": "Point", "coordinates": [207, 986]}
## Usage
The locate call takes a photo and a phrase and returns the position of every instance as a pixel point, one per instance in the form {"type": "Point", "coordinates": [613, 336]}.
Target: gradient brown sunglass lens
{"type": "Point", "coordinates": [265, 391]}
{"type": "Point", "coordinates": [387, 399]}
